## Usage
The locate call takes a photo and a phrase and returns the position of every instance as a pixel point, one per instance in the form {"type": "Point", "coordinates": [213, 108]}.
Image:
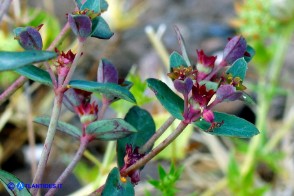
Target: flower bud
{"type": "Point", "coordinates": [81, 25]}
{"type": "Point", "coordinates": [107, 72]}
{"type": "Point", "coordinates": [208, 115]}
{"type": "Point", "coordinates": [29, 38]}
{"type": "Point", "coordinates": [235, 49]}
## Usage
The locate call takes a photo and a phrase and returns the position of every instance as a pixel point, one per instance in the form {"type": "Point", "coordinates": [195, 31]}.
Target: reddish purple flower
{"type": "Point", "coordinates": [205, 64]}
{"type": "Point", "coordinates": [64, 61]}
{"type": "Point", "coordinates": [206, 61]}
{"type": "Point", "coordinates": [79, 102]}
{"type": "Point", "coordinates": [131, 157]}
{"type": "Point", "coordinates": [201, 95]}
{"type": "Point", "coordinates": [65, 58]}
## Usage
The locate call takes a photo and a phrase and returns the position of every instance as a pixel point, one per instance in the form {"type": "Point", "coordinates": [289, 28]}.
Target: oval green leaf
{"type": "Point", "coordinates": [12, 183]}
{"type": "Point", "coordinates": [14, 60]}
{"type": "Point", "coordinates": [233, 126]}
{"type": "Point", "coordinates": [143, 122]}
{"type": "Point", "coordinates": [36, 74]}
{"type": "Point", "coordinates": [176, 60]}
{"type": "Point", "coordinates": [238, 69]}
{"type": "Point", "coordinates": [112, 129]}
{"type": "Point", "coordinates": [170, 100]}
{"type": "Point", "coordinates": [61, 126]}
{"type": "Point", "coordinates": [115, 187]}
{"type": "Point", "coordinates": [100, 29]}
{"type": "Point", "coordinates": [108, 89]}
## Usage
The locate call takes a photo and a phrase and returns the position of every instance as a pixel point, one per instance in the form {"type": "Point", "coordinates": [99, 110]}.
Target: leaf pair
{"type": "Point", "coordinates": [112, 129]}
{"type": "Point", "coordinates": [39, 75]}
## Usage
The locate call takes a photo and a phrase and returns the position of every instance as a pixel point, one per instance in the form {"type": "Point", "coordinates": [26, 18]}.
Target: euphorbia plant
{"type": "Point", "coordinates": [202, 86]}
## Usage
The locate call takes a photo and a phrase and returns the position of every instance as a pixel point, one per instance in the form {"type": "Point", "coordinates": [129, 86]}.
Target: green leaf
{"type": "Point", "coordinates": [93, 5]}
{"type": "Point", "coordinates": [112, 129]}
{"type": "Point", "coordinates": [14, 60]}
{"type": "Point", "coordinates": [103, 4]}
{"type": "Point", "coordinates": [251, 52]}
{"type": "Point", "coordinates": [176, 60]}
{"type": "Point", "coordinates": [161, 172]}
{"type": "Point", "coordinates": [155, 183]}
{"type": "Point", "coordinates": [9, 180]}
{"type": "Point", "coordinates": [238, 69]}
{"type": "Point", "coordinates": [61, 126]}
{"type": "Point", "coordinates": [36, 74]}
{"type": "Point", "coordinates": [110, 89]}
{"type": "Point", "coordinates": [100, 29]}
{"type": "Point", "coordinates": [115, 187]}
{"type": "Point", "coordinates": [143, 122]}
{"type": "Point", "coordinates": [170, 100]}
{"type": "Point", "coordinates": [233, 126]}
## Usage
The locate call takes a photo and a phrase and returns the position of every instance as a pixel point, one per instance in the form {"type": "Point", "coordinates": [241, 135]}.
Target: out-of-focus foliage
{"type": "Point", "coordinates": [122, 15]}
{"type": "Point", "coordinates": [167, 180]}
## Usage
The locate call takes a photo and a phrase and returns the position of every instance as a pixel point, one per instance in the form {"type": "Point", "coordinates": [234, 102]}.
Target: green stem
{"type": "Point", "coordinates": [255, 142]}
{"type": "Point", "coordinates": [279, 135]}
{"type": "Point", "coordinates": [48, 141]}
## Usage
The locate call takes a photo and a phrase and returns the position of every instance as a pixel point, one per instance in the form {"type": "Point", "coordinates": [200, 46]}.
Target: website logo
{"type": "Point", "coordinates": [20, 186]}
{"type": "Point", "coordinates": [11, 185]}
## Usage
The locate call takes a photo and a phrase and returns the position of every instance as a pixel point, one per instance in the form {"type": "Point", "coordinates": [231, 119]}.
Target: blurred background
{"type": "Point", "coordinates": [144, 37]}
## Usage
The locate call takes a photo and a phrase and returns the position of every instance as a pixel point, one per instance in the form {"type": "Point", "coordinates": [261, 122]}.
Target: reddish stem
{"type": "Point", "coordinates": [83, 145]}
{"type": "Point", "coordinates": [156, 150]}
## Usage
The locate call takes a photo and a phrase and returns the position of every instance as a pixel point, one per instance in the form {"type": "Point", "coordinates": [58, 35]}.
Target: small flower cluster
{"type": "Point", "coordinates": [81, 103]}
{"type": "Point", "coordinates": [131, 157]}
{"type": "Point", "coordinates": [201, 85]}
